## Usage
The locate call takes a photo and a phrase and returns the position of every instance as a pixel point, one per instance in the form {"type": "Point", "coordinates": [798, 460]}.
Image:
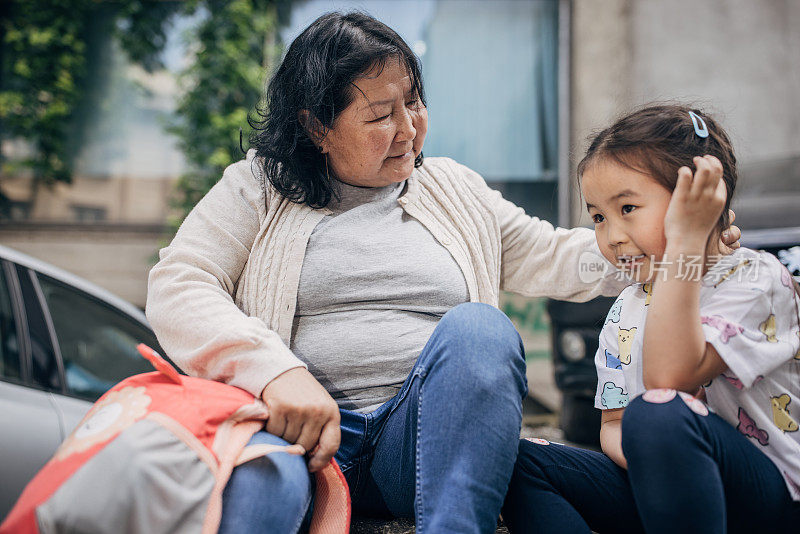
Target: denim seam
{"type": "Point", "coordinates": [418, 485]}
{"type": "Point", "coordinates": [344, 467]}
{"type": "Point", "coordinates": [361, 461]}
{"type": "Point", "coordinates": [420, 373]}
{"type": "Point", "coordinates": [303, 513]}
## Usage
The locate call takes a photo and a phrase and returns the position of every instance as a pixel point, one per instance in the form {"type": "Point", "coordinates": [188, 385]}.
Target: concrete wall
{"type": "Point", "coordinates": [115, 258]}
{"type": "Point", "coordinates": [126, 199]}
{"type": "Point", "coordinates": [738, 59]}
{"type": "Point", "coordinates": [115, 253]}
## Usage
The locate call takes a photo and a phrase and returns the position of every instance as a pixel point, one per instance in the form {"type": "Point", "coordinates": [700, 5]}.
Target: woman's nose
{"type": "Point", "coordinates": [405, 127]}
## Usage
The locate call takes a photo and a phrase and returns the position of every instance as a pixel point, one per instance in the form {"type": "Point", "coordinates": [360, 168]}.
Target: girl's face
{"type": "Point", "coordinates": [628, 210]}
{"type": "Point", "coordinates": [375, 140]}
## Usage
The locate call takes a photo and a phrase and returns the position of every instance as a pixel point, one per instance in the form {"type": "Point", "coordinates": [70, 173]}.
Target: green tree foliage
{"type": "Point", "coordinates": [44, 51]}
{"type": "Point", "coordinates": [235, 42]}
{"type": "Point", "coordinates": [42, 70]}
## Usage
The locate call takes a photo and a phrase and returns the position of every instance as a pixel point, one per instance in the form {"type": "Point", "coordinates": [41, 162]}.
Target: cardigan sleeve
{"type": "Point", "coordinates": [189, 296]}
{"type": "Point", "coordinates": [539, 260]}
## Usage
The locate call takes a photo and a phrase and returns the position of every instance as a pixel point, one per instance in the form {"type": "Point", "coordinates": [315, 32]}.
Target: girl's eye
{"type": "Point", "coordinates": [627, 208]}
{"type": "Point", "coordinates": [381, 118]}
{"type": "Point", "coordinates": [597, 218]}
{"type": "Point", "coordinates": [412, 103]}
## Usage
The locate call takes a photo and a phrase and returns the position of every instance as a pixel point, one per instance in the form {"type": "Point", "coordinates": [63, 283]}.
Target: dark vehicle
{"type": "Point", "coordinates": [767, 205]}
{"type": "Point", "coordinates": [63, 343]}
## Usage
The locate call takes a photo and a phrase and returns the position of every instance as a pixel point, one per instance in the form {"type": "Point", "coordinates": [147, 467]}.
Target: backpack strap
{"type": "Point", "coordinates": [228, 454]}
{"type": "Point", "coordinates": [251, 452]}
{"type": "Point", "coordinates": [332, 507]}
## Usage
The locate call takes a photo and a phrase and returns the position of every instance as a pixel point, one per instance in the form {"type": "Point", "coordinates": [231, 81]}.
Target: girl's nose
{"type": "Point", "coordinates": [616, 236]}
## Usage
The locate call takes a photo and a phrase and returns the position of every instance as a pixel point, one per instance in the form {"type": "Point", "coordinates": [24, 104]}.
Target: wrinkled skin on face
{"type": "Point", "coordinates": [374, 141]}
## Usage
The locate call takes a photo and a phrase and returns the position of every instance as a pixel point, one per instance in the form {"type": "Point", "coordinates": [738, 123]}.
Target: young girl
{"type": "Point", "coordinates": [697, 324]}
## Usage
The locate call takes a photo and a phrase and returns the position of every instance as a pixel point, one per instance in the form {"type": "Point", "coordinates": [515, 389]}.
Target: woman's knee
{"type": "Point", "coordinates": [481, 338]}
{"type": "Point", "coordinates": [273, 488]}
{"type": "Point", "coordinates": [289, 471]}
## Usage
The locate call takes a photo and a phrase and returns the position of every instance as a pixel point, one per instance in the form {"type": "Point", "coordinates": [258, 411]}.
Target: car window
{"type": "Point", "coordinates": [9, 341]}
{"type": "Point", "coordinates": [97, 341]}
{"type": "Point", "coordinates": [44, 367]}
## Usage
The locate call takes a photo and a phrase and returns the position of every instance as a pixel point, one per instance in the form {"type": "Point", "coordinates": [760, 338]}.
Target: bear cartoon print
{"type": "Point", "coordinates": [768, 328]}
{"type": "Point", "coordinates": [613, 396]}
{"type": "Point", "coordinates": [614, 313]}
{"type": "Point", "coordinates": [612, 362]}
{"type": "Point", "coordinates": [781, 415]}
{"type": "Point", "coordinates": [625, 339]}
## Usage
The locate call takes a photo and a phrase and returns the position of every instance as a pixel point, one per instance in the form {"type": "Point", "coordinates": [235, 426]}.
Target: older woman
{"type": "Point", "coordinates": [353, 287]}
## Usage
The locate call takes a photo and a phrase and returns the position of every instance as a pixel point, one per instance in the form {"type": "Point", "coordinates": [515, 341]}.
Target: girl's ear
{"type": "Point", "coordinates": [315, 130]}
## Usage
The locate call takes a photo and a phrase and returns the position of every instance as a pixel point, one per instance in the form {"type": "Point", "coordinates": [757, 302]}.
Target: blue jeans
{"type": "Point", "coordinates": [443, 449]}
{"type": "Point", "coordinates": [686, 473]}
{"type": "Point", "coordinates": [269, 494]}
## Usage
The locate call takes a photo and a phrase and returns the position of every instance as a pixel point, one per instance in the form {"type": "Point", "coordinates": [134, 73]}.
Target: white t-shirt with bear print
{"type": "Point", "coordinates": [749, 309]}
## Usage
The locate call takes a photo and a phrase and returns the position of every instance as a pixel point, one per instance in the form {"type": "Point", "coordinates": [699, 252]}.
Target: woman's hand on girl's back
{"type": "Point", "coordinates": [730, 236]}
{"type": "Point", "coordinates": [697, 202]}
{"type": "Point", "coordinates": [302, 412]}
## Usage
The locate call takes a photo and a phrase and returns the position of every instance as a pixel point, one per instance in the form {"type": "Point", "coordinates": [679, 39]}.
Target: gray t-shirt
{"type": "Point", "coordinates": [373, 286]}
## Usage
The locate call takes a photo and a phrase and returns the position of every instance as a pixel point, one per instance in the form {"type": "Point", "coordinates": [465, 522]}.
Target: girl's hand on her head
{"type": "Point", "coordinates": [696, 203]}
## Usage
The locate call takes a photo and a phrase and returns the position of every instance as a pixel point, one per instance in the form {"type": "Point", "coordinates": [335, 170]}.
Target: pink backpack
{"type": "Point", "coordinates": [154, 455]}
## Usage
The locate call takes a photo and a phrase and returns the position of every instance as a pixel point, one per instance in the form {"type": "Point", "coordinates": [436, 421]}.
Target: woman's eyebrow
{"type": "Point", "coordinates": [371, 105]}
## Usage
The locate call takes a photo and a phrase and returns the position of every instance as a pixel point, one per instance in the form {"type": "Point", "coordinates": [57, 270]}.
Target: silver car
{"type": "Point", "coordinates": [63, 343]}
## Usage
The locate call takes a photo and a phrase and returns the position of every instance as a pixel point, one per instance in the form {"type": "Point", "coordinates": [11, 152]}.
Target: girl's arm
{"type": "Point", "coordinates": [675, 353]}
{"type": "Point", "coordinates": [611, 436]}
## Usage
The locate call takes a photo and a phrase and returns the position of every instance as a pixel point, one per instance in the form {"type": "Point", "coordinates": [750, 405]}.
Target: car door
{"type": "Point", "coordinates": [96, 345]}
{"type": "Point", "coordinates": [73, 347]}
{"type": "Point", "coordinates": [30, 428]}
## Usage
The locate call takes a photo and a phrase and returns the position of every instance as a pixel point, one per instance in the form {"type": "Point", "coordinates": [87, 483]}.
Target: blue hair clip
{"type": "Point", "coordinates": [700, 131]}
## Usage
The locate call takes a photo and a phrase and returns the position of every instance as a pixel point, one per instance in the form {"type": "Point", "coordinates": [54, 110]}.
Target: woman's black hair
{"type": "Point", "coordinates": [317, 76]}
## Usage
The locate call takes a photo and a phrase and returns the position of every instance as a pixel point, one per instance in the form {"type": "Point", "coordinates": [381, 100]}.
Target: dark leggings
{"type": "Point", "coordinates": [687, 472]}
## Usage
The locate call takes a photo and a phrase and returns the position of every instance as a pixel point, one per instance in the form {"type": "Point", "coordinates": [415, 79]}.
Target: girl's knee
{"type": "Point", "coordinates": [660, 419]}
{"type": "Point", "coordinates": [532, 454]}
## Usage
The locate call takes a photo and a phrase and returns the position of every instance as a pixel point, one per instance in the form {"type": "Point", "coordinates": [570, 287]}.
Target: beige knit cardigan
{"type": "Point", "coordinates": [222, 297]}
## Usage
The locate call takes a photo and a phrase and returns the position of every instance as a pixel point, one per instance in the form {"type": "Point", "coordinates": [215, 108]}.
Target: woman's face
{"type": "Point", "coordinates": [374, 141]}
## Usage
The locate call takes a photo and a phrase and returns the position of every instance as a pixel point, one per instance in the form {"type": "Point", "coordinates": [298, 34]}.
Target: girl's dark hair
{"type": "Point", "coordinates": [317, 75]}
{"type": "Point", "coordinates": [657, 140]}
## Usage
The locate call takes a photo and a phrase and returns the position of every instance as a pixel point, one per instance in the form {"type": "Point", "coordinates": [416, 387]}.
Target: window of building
{"type": "Point", "coordinates": [15, 210]}
{"type": "Point", "coordinates": [89, 213]}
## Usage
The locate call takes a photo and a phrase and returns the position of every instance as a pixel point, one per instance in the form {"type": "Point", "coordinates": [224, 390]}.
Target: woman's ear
{"type": "Point", "coordinates": [315, 130]}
